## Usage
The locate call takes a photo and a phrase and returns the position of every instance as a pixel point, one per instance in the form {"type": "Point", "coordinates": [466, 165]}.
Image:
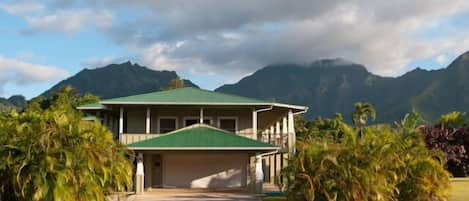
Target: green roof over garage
{"type": "Point", "coordinates": [187, 95]}
{"type": "Point", "coordinates": [201, 137]}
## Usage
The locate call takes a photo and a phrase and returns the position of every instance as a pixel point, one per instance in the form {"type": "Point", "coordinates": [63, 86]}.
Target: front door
{"type": "Point", "coordinates": [157, 172]}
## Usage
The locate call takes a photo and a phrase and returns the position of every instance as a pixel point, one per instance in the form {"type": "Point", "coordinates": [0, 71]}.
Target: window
{"type": "Point", "coordinates": [167, 124]}
{"type": "Point", "coordinates": [194, 120]}
{"type": "Point", "coordinates": [228, 123]}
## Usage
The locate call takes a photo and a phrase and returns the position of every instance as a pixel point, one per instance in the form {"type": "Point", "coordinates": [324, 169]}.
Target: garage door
{"type": "Point", "coordinates": [204, 170]}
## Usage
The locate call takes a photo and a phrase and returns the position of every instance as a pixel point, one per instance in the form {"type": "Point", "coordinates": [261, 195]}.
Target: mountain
{"type": "Point", "coordinates": [15, 102]}
{"type": "Point", "coordinates": [331, 85]}
{"type": "Point", "coordinates": [116, 80]}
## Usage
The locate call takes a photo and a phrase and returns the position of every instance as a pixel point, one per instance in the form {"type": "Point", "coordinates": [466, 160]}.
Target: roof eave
{"type": "Point", "coordinates": [206, 148]}
{"type": "Point", "coordinates": [296, 107]}
{"type": "Point", "coordinates": [90, 108]}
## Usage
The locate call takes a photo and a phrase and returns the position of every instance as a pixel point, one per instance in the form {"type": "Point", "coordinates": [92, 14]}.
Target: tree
{"type": "Point", "coordinates": [453, 119]}
{"type": "Point", "coordinates": [361, 114]}
{"type": "Point", "coordinates": [174, 84]}
{"type": "Point", "coordinates": [50, 153]}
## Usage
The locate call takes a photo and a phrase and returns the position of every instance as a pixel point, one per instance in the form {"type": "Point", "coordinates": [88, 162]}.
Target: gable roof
{"type": "Point", "coordinates": [187, 96]}
{"type": "Point", "coordinates": [183, 96]}
{"type": "Point", "coordinates": [201, 137]}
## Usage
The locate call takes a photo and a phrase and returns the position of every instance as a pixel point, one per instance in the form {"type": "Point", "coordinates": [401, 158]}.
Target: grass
{"type": "Point", "coordinates": [459, 191]}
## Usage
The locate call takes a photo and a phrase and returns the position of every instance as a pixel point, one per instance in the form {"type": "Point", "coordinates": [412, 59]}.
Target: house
{"type": "Point", "coordinates": [194, 138]}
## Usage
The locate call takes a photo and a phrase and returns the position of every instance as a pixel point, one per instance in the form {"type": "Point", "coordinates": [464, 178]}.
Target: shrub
{"type": "Point", "coordinates": [384, 164]}
{"type": "Point", "coordinates": [454, 143]}
{"type": "Point", "coordinates": [51, 154]}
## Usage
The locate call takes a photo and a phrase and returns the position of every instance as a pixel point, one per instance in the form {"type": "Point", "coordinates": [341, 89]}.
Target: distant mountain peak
{"type": "Point", "coordinates": [333, 62]}
{"type": "Point", "coordinates": [116, 80]}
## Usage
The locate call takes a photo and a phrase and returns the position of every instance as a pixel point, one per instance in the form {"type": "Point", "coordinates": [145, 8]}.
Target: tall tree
{"type": "Point", "coordinates": [50, 153]}
{"type": "Point", "coordinates": [363, 111]}
{"type": "Point", "coordinates": [174, 84]}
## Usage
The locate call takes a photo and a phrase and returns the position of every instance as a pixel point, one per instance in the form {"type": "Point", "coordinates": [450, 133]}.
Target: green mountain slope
{"type": "Point", "coordinates": [330, 86]}
{"type": "Point", "coordinates": [15, 102]}
{"type": "Point", "coordinates": [116, 80]}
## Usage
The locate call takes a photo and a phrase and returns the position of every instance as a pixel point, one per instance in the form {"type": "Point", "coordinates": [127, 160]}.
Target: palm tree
{"type": "Point", "coordinates": [361, 114]}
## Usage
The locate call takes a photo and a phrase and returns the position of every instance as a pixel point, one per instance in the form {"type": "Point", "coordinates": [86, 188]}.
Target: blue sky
{"type": "Point", "coordinates": [214, 42]}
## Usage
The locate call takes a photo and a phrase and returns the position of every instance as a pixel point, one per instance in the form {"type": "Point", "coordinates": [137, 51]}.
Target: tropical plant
{"type": "Point", "coordinates": [49, 153]}
{"type": "Point", "coordinates": [174, 84]}
{"type": "Point", "coordinates": [453, 119]}
{"type": "Point", "coordinates": [363, 111]}
{"type": "Point", "coordinates": [384, 164]}
{"type": "Point", "coordinates": [454, 143]}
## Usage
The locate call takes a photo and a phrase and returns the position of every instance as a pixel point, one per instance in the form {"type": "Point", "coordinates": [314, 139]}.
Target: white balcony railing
{"type": "Point", "coordinates": [128, 138]}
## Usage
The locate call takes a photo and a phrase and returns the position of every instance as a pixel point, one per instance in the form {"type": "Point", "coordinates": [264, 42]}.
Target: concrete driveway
{"type": "Point", "coordinates": [194, 195]}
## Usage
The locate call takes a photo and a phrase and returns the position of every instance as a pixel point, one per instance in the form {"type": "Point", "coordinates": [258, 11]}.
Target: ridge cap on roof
{"type": "Point", "coordinates": [188, 88]}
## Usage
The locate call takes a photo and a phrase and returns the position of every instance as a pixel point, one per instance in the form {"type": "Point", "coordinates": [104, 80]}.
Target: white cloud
{"type": "Point", "coordinates": [441, 59]}
{"type": "Point", "coordinates": [18, 8]}
{"type": "Point", "coordinates": [230, 37]}
{"type": "Point", "coordinates": [97, 62]}
{"type": "Point", "coordinates": [69, 21]}
{"type": "Point", "coordinates": [20, 72]}
{"type": "Point", "coordinates": [233, 38]}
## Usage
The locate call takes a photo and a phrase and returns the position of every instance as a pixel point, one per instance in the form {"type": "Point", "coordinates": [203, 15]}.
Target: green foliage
{"type": "Point", "coordinates": [362, 112]}
{"type": "Point", "coordinates": [49, 153]}
{"type": "Point", "coordinates": [453, 119]}
{"type": "Point", "coordinates": [384, 164]}
{"type": "Point", "coordinates": [174, 84]}
{"type": "Point", "coordinates": [320, 128]}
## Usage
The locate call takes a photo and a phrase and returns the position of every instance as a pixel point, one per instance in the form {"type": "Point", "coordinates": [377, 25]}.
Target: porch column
{"type": "Point", "coordinates": [147, 125]}
{"type": "Point", "coordinates": [272, 134]}
{"type": "Point", "coordinates": [284, 132]}
{"type": "Point", "coordinates": [139, 175]}
{"type": "Point", "coordinates": [291, 132]}
{"type": "Point", "coordinates": [201, 120]}
{"type": "Point", "coordinates": [121, 120]}
{"type": "Point", "coordinates": [277, 133]}
{"type": "Point", "coordinates": [259, 175]}
{"type": "Point", "coordinates": [254, 125]}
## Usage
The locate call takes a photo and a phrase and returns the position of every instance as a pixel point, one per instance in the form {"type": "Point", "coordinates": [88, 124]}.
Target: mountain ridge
{"type": "Point", "coordinates": [116, 80]}
{"type": "Point", "coordinates": [326, 90]}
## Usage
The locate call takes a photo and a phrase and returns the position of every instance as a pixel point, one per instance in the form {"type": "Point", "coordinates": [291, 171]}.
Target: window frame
{"type": "Point", "coordinates": [158, 127]}
{"type": "Point", "coordinates": [229, 118]}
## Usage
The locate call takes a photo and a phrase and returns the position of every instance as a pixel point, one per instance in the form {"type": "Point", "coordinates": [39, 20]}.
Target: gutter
{"type": "Point", "coordinates": [268, 153]}
{"type": "Point", "coordinates": [264, 109]}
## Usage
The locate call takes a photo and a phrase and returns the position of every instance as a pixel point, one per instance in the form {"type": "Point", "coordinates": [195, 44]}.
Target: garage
{"type": "Point", "coordinates": [198, 156]}
{"type": "Point", "coordinates": [205, 170]}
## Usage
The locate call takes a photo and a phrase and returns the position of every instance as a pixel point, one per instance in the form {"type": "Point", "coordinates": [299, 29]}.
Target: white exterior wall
{"type": "Point", "coordinates": [205, 170]}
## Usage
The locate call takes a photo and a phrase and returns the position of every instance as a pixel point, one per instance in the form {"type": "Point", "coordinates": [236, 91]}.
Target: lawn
{"type": "Point", "coordinates": [459, 191]}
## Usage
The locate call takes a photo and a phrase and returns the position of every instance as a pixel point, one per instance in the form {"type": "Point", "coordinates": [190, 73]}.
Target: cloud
{"type": "Point", "coordinates": [23, 7]}
{"type": "Point", "coordinates": [441, 59]}
{"type": "Point", "coordinates": [70, 21]}
{"type": "Point", "coordinates": [240, 37]}
{"type": "Point", "coordinates": [20, 72]}
{"type": "Point", "coordinates": [97, 62]}
{"type": "Point", "coordinates": [234, 38]}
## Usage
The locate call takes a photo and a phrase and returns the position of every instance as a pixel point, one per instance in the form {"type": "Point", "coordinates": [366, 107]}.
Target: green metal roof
{"type": "Point", "coordinates": [200, 137]}
{"type": "Point", "coordinates": [91, 106]}
{"type": "Point", "coordinates": [187, 95]}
